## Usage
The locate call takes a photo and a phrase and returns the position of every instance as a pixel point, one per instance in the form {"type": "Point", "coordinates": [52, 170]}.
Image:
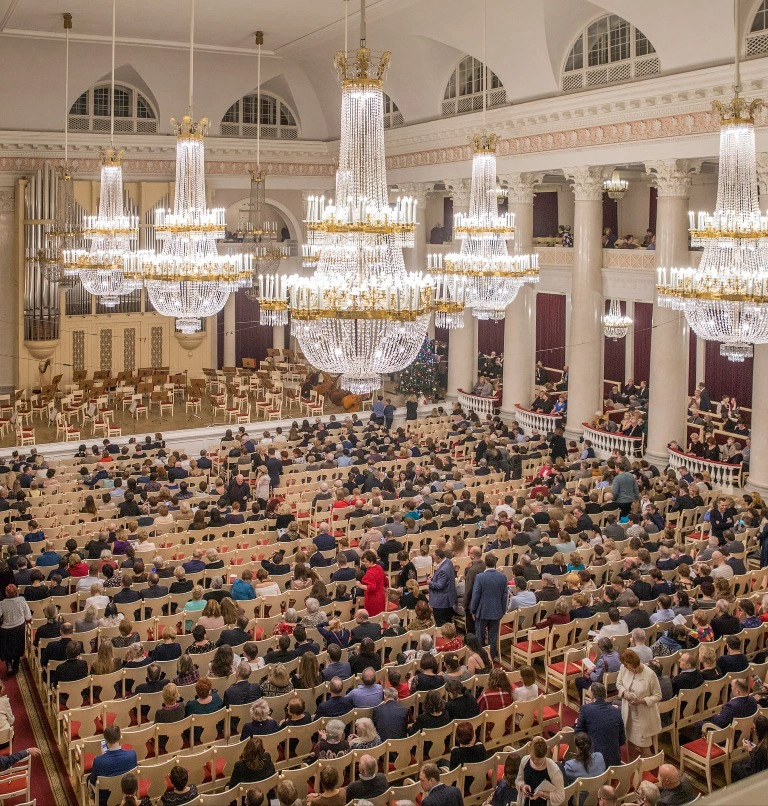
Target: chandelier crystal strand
{"type": "Point", "coordinates": [491, 277]}
{"type": "Point", "coordinates": [361, 314]}
{"type": "Point", "coordinates": [66, 231]}
{"type": "Point", "coordinates": [188, 279]}
{"type": "Point", "coordinates": [725, 298]}
{"type": "Point", "coordinates": [616, 187]}
{"type": "Point", "coordinates": [615, 324]}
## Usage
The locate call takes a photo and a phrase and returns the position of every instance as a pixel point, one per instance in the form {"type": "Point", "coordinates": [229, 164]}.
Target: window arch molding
{"type": "Point", "coordinates": [392, 115]}
{"type": "Point", "coordinates": [756, 37]}
{"type": "Point", "coordinates": [607, 50]}
{"type": "Point", "coordinates": [469, 81]}
{"type": "Point", "coordinates": [134, 112]}
{"type": "Point", "coordinates": [277, 119]}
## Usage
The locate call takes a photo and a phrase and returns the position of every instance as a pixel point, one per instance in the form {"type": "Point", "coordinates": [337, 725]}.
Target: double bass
{"type": "Point", "coordinates": [329, 386]}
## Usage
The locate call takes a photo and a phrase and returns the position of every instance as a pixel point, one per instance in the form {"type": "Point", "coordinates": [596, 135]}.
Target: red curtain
{"type": "Point", "coordinates": [642, 329]}
{"type": "Point", "coordinates": [610, 214]}
{"type": "Point", "coordinates": [692, 341]}
{"type": "Point", "coordinates": [251, 339]}
{"type": "Point", "coordinates": [725, 377]}
{"type": "Point", "coordinates": [654, 194]}
{"type": "Point", "coordinates": [550, 329]}
{"type": "Point", "coordinates": [545, 215]}
{"type": "Point", "coordinates": [490, 337]}
{"type": "Point", "coordinates": [614, 352]}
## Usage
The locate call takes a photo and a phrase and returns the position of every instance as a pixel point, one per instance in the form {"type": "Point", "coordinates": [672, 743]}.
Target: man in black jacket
{"type": "Point", "coordinates": [689, 676]}
{"type": "Point", "coordinates": [461, 704]}
{"type": "Point", "coordinates": [370, 782]}
{"type": "Point", "coordinates": [57, 650]}
{"type": "Point", "coordinates": [73, 668]}
{"type": "Point", "coordinates": [283, 653]}
{"type": "Point", "coordinates": [558, 445]}
{"type": "Point", "coordinates": [391, 718]}
{"type": "Point", "coordinates": [127, 594]}
{"type": "Point", "coordinates": [243, 691]}
{"type": "Point", "coordinates": [235, 635]}
{"type": "Point", "coordinates": [365, 628]}
{"type": "Point", "coordinates": [637, 617]}
{"type": "Point", "coordinates": [128, 508]}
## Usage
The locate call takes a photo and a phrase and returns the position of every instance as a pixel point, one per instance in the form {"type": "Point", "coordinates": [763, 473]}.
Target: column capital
{"type": "Point", "coordinates": [417, 190]}
{"type": "Point", "coordinates": [673, 177]}
{"type": "Point", "coordinates": [587, 182]}
{"type": "Point", "coordinates": [519, 186]}
{"type": "Point", "coordinates": [461, 190]}
{"type": "Point", "coordinates": [762, 172]}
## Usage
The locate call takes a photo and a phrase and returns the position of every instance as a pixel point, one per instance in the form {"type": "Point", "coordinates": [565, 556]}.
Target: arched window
{"type": "Point", "coordinates": [134, 114]}
{"type": "Point", "coordinates": [470, 81]}
{"type": "Point", "coordinates": [392, 115]}
{"type": "Point", "coordinates": [276, 119]}
{"type": "Point", "coordinates": [608, 51]}
{"type": "Point", "coordinates": [757, 38]}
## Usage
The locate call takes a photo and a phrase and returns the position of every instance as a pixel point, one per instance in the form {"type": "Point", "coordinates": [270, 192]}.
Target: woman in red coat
{"type": "Point", "coordinates": [374, 584]}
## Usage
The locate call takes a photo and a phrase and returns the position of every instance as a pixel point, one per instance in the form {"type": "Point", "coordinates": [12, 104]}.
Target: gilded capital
{"type": "Point", "coordinates": [587, 182]}
{"type": "Point", "coordinates": [673, 177]}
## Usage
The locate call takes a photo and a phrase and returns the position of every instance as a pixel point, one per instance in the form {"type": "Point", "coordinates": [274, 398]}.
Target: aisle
{"type": "Point", "coordinates": [32, 729]}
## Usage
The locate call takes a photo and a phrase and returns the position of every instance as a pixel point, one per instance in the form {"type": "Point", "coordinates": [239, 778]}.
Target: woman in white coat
{"type": "Point", "coordinates": [539, 773]}
{"type": "Point", "coordinates": [640, 695]}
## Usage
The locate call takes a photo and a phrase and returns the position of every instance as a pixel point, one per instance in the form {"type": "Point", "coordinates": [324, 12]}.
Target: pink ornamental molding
{"type": "Point", "coordinates": [632, 131]}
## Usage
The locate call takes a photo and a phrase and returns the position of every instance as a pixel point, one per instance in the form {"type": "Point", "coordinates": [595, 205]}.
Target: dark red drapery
{"type": "Point", "coordinates": [724, 377]}
{"type": "Point", "coordinates": [692, 340]}
{"type": "Point", "coordinates": [550, 330]}
{"type": "Point", "coordinates": [545, 215]}
{"type": "Point", "coordinates": [642, 330]}
{"type": "Point", "coordinates": [490, 337]}
{"type": "Point", "coordinates": [251, 339]}
{"type": "Point", "coordinates": [614, 352]}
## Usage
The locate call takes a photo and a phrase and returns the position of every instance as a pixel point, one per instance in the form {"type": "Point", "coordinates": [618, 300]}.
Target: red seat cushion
{"type": "Point", "coordinates": [573, 668]}
{"type": "Point", "coordinates": [699, 748]}
{"type": "Point", "coordinates": [550, 713]}
{"type": "Point", "coordinates": [88, 761]}
{"type": "Point", "coordinates": [505, 629]}
{"type": "Point", "coordinates": [9, 788]}
{"type": "Point", "coordinates": [525, 646]}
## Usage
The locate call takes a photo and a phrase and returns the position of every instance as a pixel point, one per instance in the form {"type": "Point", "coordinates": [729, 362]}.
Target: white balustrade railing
{"type": "Point", "coordinates": [530, 420]}
{"type": "Point", "coordinates": [481, 405]}
{"type": "Point", "coordinates": [605, 442]}
{"type": "Point", "coordinates": [720, 474]}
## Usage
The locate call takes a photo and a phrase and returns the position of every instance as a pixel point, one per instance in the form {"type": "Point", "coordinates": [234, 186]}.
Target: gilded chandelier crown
{"type": "Point", "coordinates": [362, 65]}
{"type": "Point", "coordinates": [112, 156]}
{"type": "Point", "coordinates": [738, 110]}
{"type": "Point", "coordinates": [484, 142]}
{"type": "Point", "coordinates": [188, 128]}
{"type": "Point", "coordinates": [258, 174]}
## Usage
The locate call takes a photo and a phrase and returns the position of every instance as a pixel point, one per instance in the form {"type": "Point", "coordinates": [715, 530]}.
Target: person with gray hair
{"type": "Point", "coordinates": [261, 722]}
{"type": "Point", "coordinates": [333, 744]}
{"type": "Point", "coordinates": [637, 641]}
{"type": "Point", "coordinates": [393, 627]}
{"type": "Point", "coordinates": [370, 782]}
{"type": "Point", "coordinates": [391, 718]}
{"type": "Point", "coordinates": [314, 614]}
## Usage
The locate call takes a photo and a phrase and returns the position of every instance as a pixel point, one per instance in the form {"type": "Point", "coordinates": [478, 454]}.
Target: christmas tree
{"type": "Point", "coordinates": [420, 378]}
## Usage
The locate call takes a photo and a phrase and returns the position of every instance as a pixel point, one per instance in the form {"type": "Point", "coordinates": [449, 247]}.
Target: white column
{"type": "Point", "coordinates": [586, 308]}
{"type": "Point", "coordinates": [230, 326]}
{"type": "Point", "coordinates": [668, 382]}
{"type": "Point", "coordinates": [462, 343]}
{"type": "Point", "coordinates": [758, 462]}
{"type": "Point", "coordinates": [278, 337]}
{"type": "Point", "coordinates": [520, 317]}
{"type": "Point", "coordinates": [701, 360]}
{"type": "Point", "coordinates": [10, 301]}
{"type": "Point", "coordinates": [629, 345]}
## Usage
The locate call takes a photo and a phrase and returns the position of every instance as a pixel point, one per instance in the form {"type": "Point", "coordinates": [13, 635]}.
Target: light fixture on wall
{"type": "Point", "coordinates": [188, 279]}
{"type": "Point", "coordinates": [725, 298]}
{"type": "Point", "coordinates": [361, 314]}
{"type": "Point", "coordinates": [616, 325]}
{"type": "Point", "coordinates": [259, 232]}
{"type": "Point", "coordinates": [111, 235]}
{"type": "Point", "coordinates": [615, 187]}
{"type": "Point", "coordinates": [483, 275]}
{"type": "Point", "coordinates": [66, 231]}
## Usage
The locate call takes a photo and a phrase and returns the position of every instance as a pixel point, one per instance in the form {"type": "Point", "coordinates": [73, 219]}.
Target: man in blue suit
{"type": "Point", "coordinates": [113, 761]}
{"type": "Point", "coordinates": [442, 588]}
{"type": "Point", "coordinates": [489, 603]}
{"type": "Point", "coordinates": [603, 724]}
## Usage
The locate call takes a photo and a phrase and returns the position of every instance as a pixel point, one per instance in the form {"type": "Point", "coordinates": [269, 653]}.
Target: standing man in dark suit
{"type": "Point", "coordinates": [603, 724]}
{"type": "Point", "coordinates": [274, 468]}
{"type": "Point", "coordinates": [470, 575]}
{"type": "Point", "coordinates": [391, 718]}
{"type": "Point", "coordinates": [436, 793]}
{"type": "Point", "coordinates": [489, 603]}
{"type": "Point", "coordinates": [558, 445]}
{"type": "Point", "coordinates": [442, 588]}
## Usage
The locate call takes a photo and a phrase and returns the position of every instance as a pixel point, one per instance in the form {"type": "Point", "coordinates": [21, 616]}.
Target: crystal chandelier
{"type": "Point", "coordinates": [66, 230]}
{"type": "Point", "coordinates": [112, 236]}
{"type": "Point", "coordinates": [615, 324]}
{"type": "Point", "coordinates": [361, 314]}
{"type": "Point", "coordinates": [489, 277]}
{"type": "Point", "coordinates": [188, 279]}
{"type": "Point", "coordinates": [725, 299]}
{"type": "Point", "coordinates": [615, 187]}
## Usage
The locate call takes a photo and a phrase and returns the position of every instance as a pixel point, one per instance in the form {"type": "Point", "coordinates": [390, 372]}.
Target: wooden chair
{"type": "Point", "coordinates": [712, 749]}
{"type": "Point", "coordinates": [15, 781]}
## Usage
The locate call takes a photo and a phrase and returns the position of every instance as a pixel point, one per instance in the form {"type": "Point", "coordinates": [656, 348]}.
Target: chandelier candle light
{"type": "Point", "coordinates": [490, 277]}
{"type": "Point", "coordinates": [361, 314]}
{"type": "Point", "coordinates": [725, 299]}
{"type": "Point", "coordinates": [188, 279]}
{"type": "Point", "coordinates": [615, 187]}
{"type": "Point", "coordinates": [615, 324]}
